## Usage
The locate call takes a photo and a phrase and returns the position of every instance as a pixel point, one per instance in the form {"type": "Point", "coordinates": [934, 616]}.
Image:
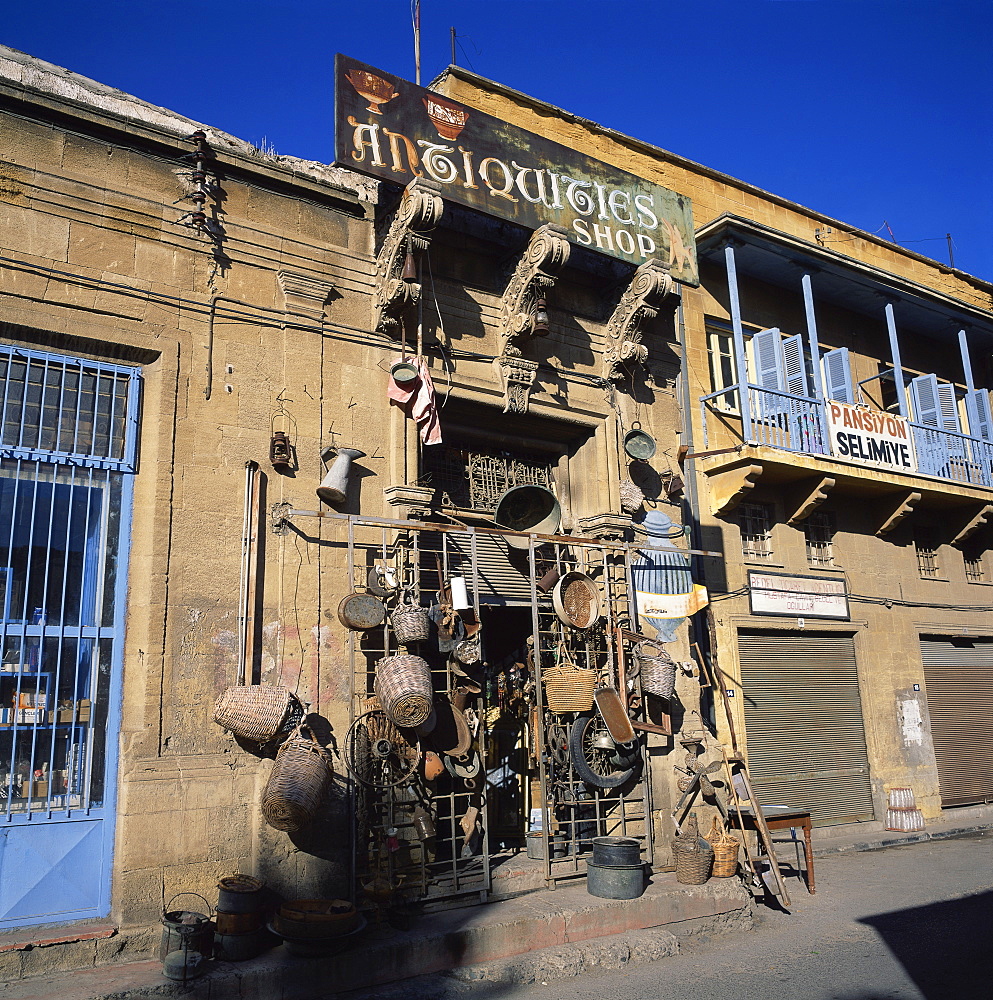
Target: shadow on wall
{"type": "Point", "coordinates": [944, 947]}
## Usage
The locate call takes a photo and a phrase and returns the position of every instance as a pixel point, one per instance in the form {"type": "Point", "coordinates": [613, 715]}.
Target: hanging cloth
{"type": "Point", "coordinates": [418, 401]}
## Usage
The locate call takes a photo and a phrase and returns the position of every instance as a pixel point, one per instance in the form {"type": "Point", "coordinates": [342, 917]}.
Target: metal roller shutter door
{"type": "Point", "coordinates": [958, 676]}
{"type": "Point", "coordinates": [803, 717]}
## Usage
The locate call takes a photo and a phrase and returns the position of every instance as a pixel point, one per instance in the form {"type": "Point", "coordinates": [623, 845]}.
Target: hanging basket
{"type": "Point", "coordinates": [658, 671]}
{"type": "Point", "coordinates": [631, 496]}
{"type": "Point", "coordinates": [298, 782]}
{"type": "Point", "coordinates": [403, 687]}
{"type": "Point", "coordinates": [410, 623]}
{"type": "Point", "coordinates": [258, 712]}
{"type": "Point", "coordinates": [569, 688]}
{"type": "Point", "coordinates": [694, 859]}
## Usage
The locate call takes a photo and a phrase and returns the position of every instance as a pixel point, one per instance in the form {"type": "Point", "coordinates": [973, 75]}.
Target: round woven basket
{"type": "Point", "coordinates": [658, 671]}
{"type": "Point", "coordinates": [410, 623]}
{"type": "Point", "coordinates": [694, 860]}
{"type": "Point", "coordinates": [569, 688]}
{"type": "Point", "coordinates": [403, 687]}
{"type": "Point", "coordinates": [298, 782]}
{"type": "Point", "coordinates": [725, 848]}
{"type": "Point", "coordinates": [257, 712]}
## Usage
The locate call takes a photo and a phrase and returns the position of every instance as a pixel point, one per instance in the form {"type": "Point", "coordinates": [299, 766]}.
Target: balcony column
{"type": "Point", "coordinates": [740, 358]}
{"type": "Point", "coordinates": [815, 351]}
{"type": "Point", "coordinates": [970, 382]}
{"type": "Point", "coordinates": [901, 395]}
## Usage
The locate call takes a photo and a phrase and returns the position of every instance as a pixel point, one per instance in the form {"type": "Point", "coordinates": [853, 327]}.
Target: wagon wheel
{"type": "Point", "coordinates": [378, 753]}
{"type": "Point", "coordinates": [597, 760]}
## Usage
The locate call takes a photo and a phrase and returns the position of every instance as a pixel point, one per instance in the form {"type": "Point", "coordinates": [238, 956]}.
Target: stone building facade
{"type": "Point", "coordinates": [189, 323]}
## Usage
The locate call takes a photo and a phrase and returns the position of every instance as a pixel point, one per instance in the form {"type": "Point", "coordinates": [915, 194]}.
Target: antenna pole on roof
{"type": "Point", "coordinates": [453, 44]}
{"type": "Point", "coordinates": [951, 256]}
{"type": "Point", "coordinates": [417, 42]}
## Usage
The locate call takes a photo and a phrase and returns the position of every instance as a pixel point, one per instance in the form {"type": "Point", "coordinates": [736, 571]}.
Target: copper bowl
{"type": "Point", "coordinates": [449, 119]}
{"type": "Point", "coordinates": [371, 88]}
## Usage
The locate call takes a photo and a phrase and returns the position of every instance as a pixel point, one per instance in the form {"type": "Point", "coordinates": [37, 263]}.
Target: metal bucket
{"type": "Point", "coordinates": [615, 881]}
{"type": "Point", "coordinates": [238, 947]}
{"type": "Point", "coordinates": [239, 894]}
{"type": "Point", "coordinates": [613, 851]}
{"type": "Point", "coordinates": [186, 930]}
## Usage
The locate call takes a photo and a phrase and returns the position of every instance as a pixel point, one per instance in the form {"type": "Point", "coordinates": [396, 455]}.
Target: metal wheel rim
{"type": "Point", "coordinates": [378, 754]}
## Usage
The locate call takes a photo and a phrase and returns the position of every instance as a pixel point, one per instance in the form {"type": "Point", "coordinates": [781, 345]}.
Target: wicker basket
{"type": "Point", "coordinates": [403, 687]}
{"type": "Point", "coordinates": [631, 496]}
{"type": "Point", "coordinates": [569, 688]}
{"type": "Point", "coordinates": [694, 859]}
{"type": "Point", "coordinates": [658, 671]}
{"type": "Point", "coordinates": [725, 848]}
{"type": "Point", "coordinates": [257, 712]}
{"type": "Point", "coordinates": [298, 782]}
{"type": "Point", "coordinates": [410, 623]}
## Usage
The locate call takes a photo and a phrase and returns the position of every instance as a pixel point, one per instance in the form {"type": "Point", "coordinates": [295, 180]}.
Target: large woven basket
{"type": "Point", "coordinates": [658, 671]}
{"type": "Point", "coordinates": [694, 859]}
{"type": "Point", "coordinates": [257, 712]}
{"type": "Point", "coordinates": [298, 782]}
{"type": "Point", "coordinates": [403, 687]}
{"type": "Point", "coordinates": [725, 848]}
{"type": "Point", "coordinates": [631, 496]}
{"type": "Point", "coordinates": [410, 623]}
{"type": "Point", "coordinates": [569, 688]}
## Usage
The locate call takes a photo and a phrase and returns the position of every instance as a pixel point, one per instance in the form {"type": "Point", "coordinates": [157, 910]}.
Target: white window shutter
{"type": "Point", "coordinates": [767, 351]}
{"type": "Point", "coordinates": [795, 366]}
{"type": "Point", "coordinates": [977, 405]}
{"type": "Point", "coordinates": [948, 410]}
{"type": "Point", "coordinates": [838, 376]}
{"type": "Point", "coordinates": [924, 397]}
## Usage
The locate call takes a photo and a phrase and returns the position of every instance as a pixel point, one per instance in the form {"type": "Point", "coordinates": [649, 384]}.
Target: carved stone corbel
{"type": "Point", "coordinates": [895, 511]}
{"type": "Point", "coordinates": [304, 294]}
{"type": "Point", "coordinates": [419, 212]}
{"type": "Point", "coordinates": [547, 253]}
{"type": "Point", "coordinates": [974, 519]}
{"type": "Point", "coordinates": [729, 484]}
{"type": "Point", "coordinates": [806, 498]}
{"type": "Point", "coordinates": [517, 376]}
{"type": "Point", "coordinates": [649, 287]}
{"type": "Point", "coordinates": [607, 526]}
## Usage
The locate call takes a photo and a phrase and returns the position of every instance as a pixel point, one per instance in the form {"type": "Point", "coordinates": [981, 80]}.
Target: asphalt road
{"type": "Point", "coordinates": [913, 922]}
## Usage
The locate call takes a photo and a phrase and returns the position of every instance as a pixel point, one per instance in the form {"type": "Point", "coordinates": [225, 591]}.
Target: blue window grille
{"type": "Point", "coordinates": [68, 441]}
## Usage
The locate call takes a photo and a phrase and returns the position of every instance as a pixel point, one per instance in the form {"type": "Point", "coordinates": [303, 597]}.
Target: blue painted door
{"type": "Point", "coordinates": [67, 455]}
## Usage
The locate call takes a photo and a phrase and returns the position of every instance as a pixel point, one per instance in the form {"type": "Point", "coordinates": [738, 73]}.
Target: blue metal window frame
{"type": "Point", "coordinates": [129, 461]}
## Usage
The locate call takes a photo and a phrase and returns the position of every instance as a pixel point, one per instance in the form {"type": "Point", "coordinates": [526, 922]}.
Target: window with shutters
{"type": "Point", "coordinates": [974, 561]}
{"type": "Point", "coordinates": [819, 530]}
{"type": "Point", "coordinates": [926, 549]}
{"type": "Point", "coordinates": [756, 521]}
{"type": "Point", "coordinates": [723, 367]}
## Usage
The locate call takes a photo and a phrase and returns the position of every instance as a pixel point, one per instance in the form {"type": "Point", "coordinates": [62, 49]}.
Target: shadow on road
{"type": "Point", "coordinates": [944, 947]}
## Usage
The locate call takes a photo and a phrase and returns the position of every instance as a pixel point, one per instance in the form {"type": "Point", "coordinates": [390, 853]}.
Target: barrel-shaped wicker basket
{"type": "Point", "coordinates": [658, 671]}
{"type": "Point", "coordinates": [725, 848]}
{"type": "Point", "coordinates": [257, 712]}
{"type": "Point", "coordinates": [569, 688]}
{"type": "Point", "coordinates": [298, 783]}
{"type": "Point", "coordinates": [693, 858]}
{"type": "Point", "coordinates": [403, 687]}
{"type": "Point", "coordinates": [410, 623]}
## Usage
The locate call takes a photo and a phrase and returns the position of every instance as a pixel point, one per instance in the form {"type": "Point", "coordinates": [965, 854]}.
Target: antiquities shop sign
{"type": "Point", "coordinates": [396, 131]}
{"type": "Point", "coordinates": [870, 437]}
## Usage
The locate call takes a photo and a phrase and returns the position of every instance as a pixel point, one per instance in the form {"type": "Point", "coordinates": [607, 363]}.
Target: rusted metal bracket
{"type": "Point", "coordinates": [419, 212]}
{"type": "Point", "coordinates": [641, 301]}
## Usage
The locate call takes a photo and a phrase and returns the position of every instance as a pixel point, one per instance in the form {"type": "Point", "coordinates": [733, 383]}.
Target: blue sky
{"type": "Point", "coordinates": [870, 111]}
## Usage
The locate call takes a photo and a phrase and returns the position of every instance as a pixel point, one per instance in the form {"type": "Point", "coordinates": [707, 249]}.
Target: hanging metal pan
{"type": "Point", "coordinates": [576, 600]}
{"type": "Point", "coordinates": [361, 611]}
{"type": "Point", "coordinates": [639, 444]}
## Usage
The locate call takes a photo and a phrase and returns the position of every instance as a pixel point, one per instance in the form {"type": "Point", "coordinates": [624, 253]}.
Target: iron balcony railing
{"type": "Point", "coordinates": [799, 424]}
